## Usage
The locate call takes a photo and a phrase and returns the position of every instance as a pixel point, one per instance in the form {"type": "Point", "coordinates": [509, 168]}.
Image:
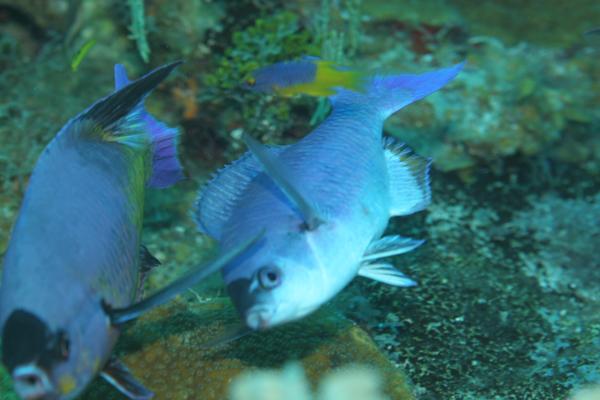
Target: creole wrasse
{"type": "Point", "coordinates": [71, 272]}
{"type": "Point", "coordinates": [309, 76]}
{"type": "Point", "coordinates": [324, 203]}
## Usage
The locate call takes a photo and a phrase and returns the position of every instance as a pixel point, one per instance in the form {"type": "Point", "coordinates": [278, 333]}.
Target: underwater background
{"type": "Point", "coordinates": [508, 301]}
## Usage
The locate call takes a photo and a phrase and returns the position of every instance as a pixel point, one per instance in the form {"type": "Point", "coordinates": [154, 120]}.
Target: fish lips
{"type": "Point", "coordinates": [252, 304]}
{"type": "Point", "coordinates": [33, 383]}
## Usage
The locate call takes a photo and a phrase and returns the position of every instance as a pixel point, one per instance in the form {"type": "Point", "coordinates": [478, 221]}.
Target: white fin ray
{"type": "Point", "coordinates": [388, 246]}
{"type": "Point", "coordinates": [217, 199]}
{"type": "Point", "coordinates": [385, 273]}
{"type": "Point", "coordinates": [409, 178]}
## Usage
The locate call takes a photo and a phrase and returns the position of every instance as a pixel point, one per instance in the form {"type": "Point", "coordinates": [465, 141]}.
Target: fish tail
{"type": "Point", "coordinates": [392, 92]}
{"type": "Point", "coordinates": [166, 168]}
{"type": "Point", "coordinates": [122, 118]}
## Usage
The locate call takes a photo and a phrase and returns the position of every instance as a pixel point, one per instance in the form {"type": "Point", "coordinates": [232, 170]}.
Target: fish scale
{"type": "Point", "coordinates": [74, 263]}
{"type": "Point", "coordinates": [323, 202]}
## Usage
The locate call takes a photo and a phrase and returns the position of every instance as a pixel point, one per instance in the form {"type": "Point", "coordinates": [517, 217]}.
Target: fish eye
{"type": "Point", "coordinates": [269, 277]}
{"type": "Point", "coordinates": [250, 81]}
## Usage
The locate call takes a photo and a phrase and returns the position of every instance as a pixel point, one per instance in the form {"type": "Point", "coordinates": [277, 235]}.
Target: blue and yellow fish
{"type": "Point", "coordinates": [310, 76]}
{"type": "Point", "coordinates": [72, 270]}
{"type": "Point", "coordinates": [323, 203]}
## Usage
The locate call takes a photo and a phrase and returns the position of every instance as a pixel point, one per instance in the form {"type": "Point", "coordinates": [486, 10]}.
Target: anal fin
{"type": "Point", "coordinates": [388, 246]}
{"type": "Point", "coordinates": [118, 375]}
{"type": "Point", "coordinates": [385, 273]}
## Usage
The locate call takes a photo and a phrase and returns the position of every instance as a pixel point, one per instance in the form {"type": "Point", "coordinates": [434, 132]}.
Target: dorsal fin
{"type": "Point", "coordinates": [409, 178]}
{"type": "Point", "coordinates": [273, 167]}
{"type": "Point", "coordinates": [217, 199]}
{"type": "Point", "coordinates": [114, 107]}
{"type": "Point", "coordinates": [166, 168]}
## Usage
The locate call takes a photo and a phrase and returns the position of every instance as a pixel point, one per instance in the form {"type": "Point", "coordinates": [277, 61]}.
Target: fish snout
{"type": "Point", "coordinates": [259, 318]}
{"type": "Point", "coordinates": [32, 383]}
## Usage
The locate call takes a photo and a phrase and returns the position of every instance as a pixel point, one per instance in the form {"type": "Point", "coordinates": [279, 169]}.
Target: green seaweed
{"type": "Point", "coordinates": [138, 28]}
{"type": "Point", "coordinates": [269, 40]}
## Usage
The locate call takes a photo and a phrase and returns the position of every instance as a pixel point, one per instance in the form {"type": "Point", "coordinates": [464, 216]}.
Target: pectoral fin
{"type": "Point", "coordinates": [118, 375]}
{"type": "Point", "coordinates": [273, 167]}
{"type": "Point", "coordinates": [385, 273]}
{"type": "Point", "coordinates": [119, 316]}
{"type": "Point", "coordinates": [388, 246]}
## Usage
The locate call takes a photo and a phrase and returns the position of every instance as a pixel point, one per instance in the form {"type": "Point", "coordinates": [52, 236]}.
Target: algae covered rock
{"type": "Point", "coordinates": [167, 351]}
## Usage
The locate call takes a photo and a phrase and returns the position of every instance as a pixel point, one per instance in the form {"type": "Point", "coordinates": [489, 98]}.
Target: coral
{"type": "Point", "coordinates": [287, 384]}
{"type": "Point", "coordinates": [351, 383]}
{"type": "Point", "coordinates": [178, 30]}
{"type": "Point", "coordinates": [166, 349]}
{"type": "Point", "coordinates": [346, 383]}
{"type": "Point", "coordinates": [590, 393]}
{"type": "Point", "coordinates": [566, 236]}
{"type": "Point", "coordinates": [475, 317]}
{"type": "Point", "coordinates": [507, 101]}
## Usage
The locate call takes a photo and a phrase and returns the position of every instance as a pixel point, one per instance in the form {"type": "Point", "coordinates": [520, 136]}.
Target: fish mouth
{"type": "Point", "coordinates": [259, 317]}
{"type": "Point", "coordinates": [32, 383]}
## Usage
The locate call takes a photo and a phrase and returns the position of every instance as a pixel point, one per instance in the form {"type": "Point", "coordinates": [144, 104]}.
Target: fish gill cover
{"type": "Point", "coordinates": [506, 305]}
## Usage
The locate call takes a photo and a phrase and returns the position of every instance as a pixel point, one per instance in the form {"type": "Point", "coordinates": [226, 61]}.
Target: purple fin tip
{"type": "Point", "coordinates": [166, 168]}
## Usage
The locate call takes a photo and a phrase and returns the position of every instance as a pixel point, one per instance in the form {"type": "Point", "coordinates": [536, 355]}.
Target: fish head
{"type": "Point", "coordinates": [272, 288]}
{"type": "Point", "coordinates": [261, 81]}
{"type": "Point", "coordinates": [55, 362]}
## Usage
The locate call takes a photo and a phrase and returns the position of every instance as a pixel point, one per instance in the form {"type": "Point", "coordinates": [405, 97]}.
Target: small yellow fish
{"type": "Point", "coordinates": [309, 76]}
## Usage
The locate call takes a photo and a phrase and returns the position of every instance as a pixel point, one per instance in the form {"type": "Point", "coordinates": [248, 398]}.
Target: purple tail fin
{"type": "Point", "coordinates": [390, 93]}
{"type": "Point", "coordinates": [166, 169]}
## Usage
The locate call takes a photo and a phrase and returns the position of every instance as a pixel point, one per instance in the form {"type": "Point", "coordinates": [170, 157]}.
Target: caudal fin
{"type": "Point", "coordinates": [121, 118]}
{"type": "Point", "coordinates": [390, 93]}
{"type": "Point", "coordinates": [166, 168]}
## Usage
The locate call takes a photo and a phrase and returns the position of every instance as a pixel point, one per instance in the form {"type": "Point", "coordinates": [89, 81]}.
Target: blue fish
{"type": "Point", "coordinates": [323, 203]}
{"type": "Point", "coordinates": [72, 270]}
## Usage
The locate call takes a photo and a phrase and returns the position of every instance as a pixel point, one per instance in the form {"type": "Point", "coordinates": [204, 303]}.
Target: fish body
{"type": "Point", "coordinates": [75, 247]}
{"type": "Point", "coordinates": [309, 76]}
{"type": "Point", "coordinates": [323, 202]}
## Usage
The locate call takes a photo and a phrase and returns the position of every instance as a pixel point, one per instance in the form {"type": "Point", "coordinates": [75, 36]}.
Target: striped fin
{"type": "Point", "coordinates": [218, 198]}
{"type": "Point", "coordinates": [388, 246]}
{"type": "Point", "coordinates": [113, 108]}
{"type": "Point", "coordinates": [278, 172]}
{"type": "Point", "coordinates": [409, 178]}
{"type": "Point", "coordinates": [166, 168]}
{"type": "Point", "coordinates": [385, 273]}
